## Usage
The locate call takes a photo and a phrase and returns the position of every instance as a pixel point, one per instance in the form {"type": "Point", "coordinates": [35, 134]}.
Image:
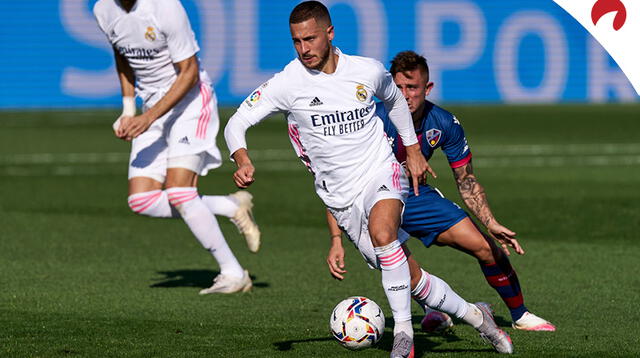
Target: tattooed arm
{"type": "Point", "coordinates": [475, 199]}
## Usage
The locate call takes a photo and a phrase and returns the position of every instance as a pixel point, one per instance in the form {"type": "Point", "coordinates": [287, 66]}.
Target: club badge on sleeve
{"type": "Point", "coordinates": [433, 136]}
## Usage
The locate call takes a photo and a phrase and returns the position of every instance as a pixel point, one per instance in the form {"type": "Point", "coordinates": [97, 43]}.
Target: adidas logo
{"type": "Point", "coordinates": [316, 102]}
{"type": "Point", "coordinates": [383, 188]}
{"type": "Point", "coordinates": [184, 140]}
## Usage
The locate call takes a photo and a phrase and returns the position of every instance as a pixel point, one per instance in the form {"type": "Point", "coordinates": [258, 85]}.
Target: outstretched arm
{"type": "Point", "coordinates": [474, 197]}
{"type": "Point", "coordinates": [335, 258]}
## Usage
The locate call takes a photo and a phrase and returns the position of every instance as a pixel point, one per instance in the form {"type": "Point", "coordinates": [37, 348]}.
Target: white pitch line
{"type": "Point", "coordinates": [492, 156]}
{"type": "Point", "coordinates": [557, 161]}
{"type": "Point", "coordinates": [296, 166]}
{"type": "Point", "coordinates": [500, 151]}
{"type": "Point", "coordinates": [559, 149]}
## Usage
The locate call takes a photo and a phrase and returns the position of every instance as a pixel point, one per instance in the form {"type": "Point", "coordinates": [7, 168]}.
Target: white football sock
{"type": "Point", "coordinates": [473, 316]}
{"type": "Point", "coordinates": [204, 226]}
{"type": "Point", "coordinates": [221, 205]}
{"type": "Point", "coordinates": [404, 326]}
{"type": "Point", "coordinates": [432, 291]}
{"type": "Point", "coordinates": [156, 204]}
{"type": "Point", "coordinates": [396, 281]}
{"type": "Point", "coordinates": [420, 292]}
{"type": "Point", "coordinates": [152, 203]}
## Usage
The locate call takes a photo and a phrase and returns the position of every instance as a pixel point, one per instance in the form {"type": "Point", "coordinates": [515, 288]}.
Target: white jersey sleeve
{"type": "Point", "coordinates": [103, 16]}
{"type": "Point", "coordinates": [176, 27]}
{"type": "Point", "coordinates": [266, 100]}
{"type": "Point", "coordinates": [397, 107]}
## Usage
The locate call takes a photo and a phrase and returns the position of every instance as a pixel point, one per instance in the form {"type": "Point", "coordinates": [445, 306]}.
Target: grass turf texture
{"type": "Point", "coordinates": [84, 277]}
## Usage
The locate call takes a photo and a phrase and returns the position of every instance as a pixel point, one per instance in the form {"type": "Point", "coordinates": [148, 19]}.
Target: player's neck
{"type": "Point", "coordinates": [418, 115]}
{"type": "Point", "coordinates": [332, 63]}
{"type": "Point", "coordinates": [127, 5]}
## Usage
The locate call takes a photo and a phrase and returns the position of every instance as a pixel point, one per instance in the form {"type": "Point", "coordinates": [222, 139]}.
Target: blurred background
{"type": "Point", "coordinates": [551, 120]}
{"type": "Point", "coordinates": [489, 51]}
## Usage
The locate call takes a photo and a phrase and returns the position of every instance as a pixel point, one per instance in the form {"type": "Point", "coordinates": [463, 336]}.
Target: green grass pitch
{"type": "Point", "coordinates": [84, 277]}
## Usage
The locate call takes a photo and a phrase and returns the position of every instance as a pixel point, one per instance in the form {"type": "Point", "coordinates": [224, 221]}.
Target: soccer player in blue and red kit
{"type": "Point", "coordinates": [435, 219]}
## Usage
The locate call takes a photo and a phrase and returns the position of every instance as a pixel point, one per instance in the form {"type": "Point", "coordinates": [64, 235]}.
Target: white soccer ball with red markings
{"type": "Point", "coordinates": [357, 322]}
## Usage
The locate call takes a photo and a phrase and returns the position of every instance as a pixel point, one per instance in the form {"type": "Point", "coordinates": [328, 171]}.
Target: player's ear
{"type": "Point", "coordinates": [428, 88]}
{"type": "Point", "coordinates": [330, 33]}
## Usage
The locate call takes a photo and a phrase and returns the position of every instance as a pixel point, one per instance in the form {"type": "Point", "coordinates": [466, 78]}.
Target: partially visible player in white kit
{"type": "Point", "coordinates": [173, 140]}
{"type": "Point", "coordinates": [328, 98]}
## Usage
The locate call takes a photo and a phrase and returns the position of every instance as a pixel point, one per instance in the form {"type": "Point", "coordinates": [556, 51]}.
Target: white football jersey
{"type": "Point", "coordinates": [332, 123]}
{"type": "Point", "coordinates": [152, 36]}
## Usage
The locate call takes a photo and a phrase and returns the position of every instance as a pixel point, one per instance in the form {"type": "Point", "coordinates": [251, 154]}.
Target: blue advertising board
{"type": "Point", "coordinates": [489, 51]}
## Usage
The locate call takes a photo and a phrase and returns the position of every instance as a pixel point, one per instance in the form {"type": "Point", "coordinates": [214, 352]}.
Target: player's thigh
{"type": "Point", "coordinates": [194, 130]}
{"type": "Point", "coordinates": [183, 171]}
{"type": "Point", "coordinates": [353, 222]}
{"type": "Point", "coordinates": [466, 237]}
{"type": "Point", "coordinates": [384, 221]}
{"type": "Point", "coordinates": [181, 177]}
{"type": "Point", "coordinates": [148, 161]}
{"type": "Point", "coordinates": [143, 184]}
{"type": "Point", "coordinates": [383, 200]}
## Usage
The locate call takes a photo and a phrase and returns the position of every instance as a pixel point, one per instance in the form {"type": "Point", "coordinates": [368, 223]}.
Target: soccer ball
{"type": "Point", "coordinates": [357, 322]}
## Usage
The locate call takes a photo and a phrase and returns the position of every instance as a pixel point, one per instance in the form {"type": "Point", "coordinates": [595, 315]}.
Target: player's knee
{"type": "Point", "coordinates": [383, 238]}
{"type": "Point", "coordinates": [180, 196]}
{"type": "Point", "coordinates": [146, 203]}
{"type": "Point", "coordinates": [484, 253]}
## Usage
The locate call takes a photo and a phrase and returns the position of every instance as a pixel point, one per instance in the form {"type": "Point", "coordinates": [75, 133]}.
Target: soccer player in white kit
{"type": "Point", "coordinates": [328, 100]}
{"type": "Point", "coordinates": [173, 140]}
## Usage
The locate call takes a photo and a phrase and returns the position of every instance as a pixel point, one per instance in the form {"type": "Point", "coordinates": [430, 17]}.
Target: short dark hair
{"type": "Point", "coordinates": [408, 61]}
{"type": "Point", "coordinates": [310, 10]}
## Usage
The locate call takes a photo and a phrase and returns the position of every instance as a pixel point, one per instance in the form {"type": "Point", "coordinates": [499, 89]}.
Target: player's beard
{"type": "Point", "coordinates": [324, 57]}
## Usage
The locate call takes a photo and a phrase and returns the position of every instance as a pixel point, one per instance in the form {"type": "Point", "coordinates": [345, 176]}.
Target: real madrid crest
{"type": "Point", "coordinates": [150, 35]}
{"type": "Point", "coordinates": [361, 93]}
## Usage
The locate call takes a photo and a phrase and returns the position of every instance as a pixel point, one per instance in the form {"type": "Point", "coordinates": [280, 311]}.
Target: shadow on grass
{"type": "Point", "coordinates": [502, 322]}
{"type": "Point", "coordinates": [288, 345]}
{"type": "Point", "coordinates": [193, 278]}
{"type": "Point", "coordinates": [424, 345]}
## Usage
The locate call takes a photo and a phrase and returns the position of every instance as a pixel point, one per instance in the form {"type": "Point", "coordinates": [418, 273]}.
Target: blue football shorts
{"type": "Point", "coordinates": [430, 214]}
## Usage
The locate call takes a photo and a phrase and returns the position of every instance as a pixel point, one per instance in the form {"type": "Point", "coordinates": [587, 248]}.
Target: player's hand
{"type": "Point", "coordinates": [505, 237]}
{"type": "Point", "coordinates": [117, 126]}
{"type": "Point", "coordinates": [418, 167]}
{"type": "Point", "coordinates": [243, 177]}
{"type": "Point", "coordinates": [131, 127]}
{"type": "Point", "coordinates": [335, 260]}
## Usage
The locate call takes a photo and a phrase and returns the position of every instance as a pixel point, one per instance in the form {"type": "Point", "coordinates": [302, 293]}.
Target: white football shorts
{"type": "Point", "coordinates": [189, 129]}
{"type": "Point", "coordinates": [390, 183]}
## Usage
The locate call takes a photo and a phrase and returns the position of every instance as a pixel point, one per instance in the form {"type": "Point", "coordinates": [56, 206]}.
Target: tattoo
{"type": "Point", "coordinates": [472, 193]}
